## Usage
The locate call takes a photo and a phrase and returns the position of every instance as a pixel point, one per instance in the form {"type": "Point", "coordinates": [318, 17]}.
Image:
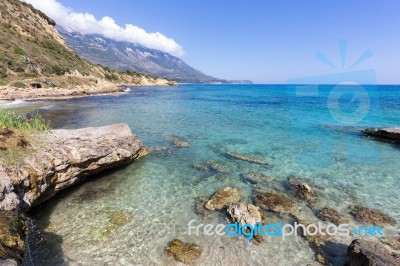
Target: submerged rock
{"type": "Point", "coordinates": [301, 189]}
{"type": "Point", "coordinates": [66, 158]}
{"type": "Point", "coordinates": [211, 166]}
{"type": "Point", "coordinates": [223, 198]}
{"type": "Point", "coordinates": [183, 252]}
{"type": "Point", "coordinates": [13, 232]}
{"type": "Point", "coordinates": [327, 250]}
{"type": "Point", "coordinates": [120, 217]}
{"type": "Point", "coordinates": [371, 216]}
{"type": "Point", "coordinates": [246, 158]}
{"type": "Point", "coordinates": [244, 213]}
{"type": "Point", "coordinates": [390, 134]}
{"type": "Point", "coordinates": [200, 205]}
{"type": "Point", "coordinates": [367, 252]}
{"type": "Point", "coordinates": [275, 202]}
{"type": "Point", "coordinates": [256, 178]}
{"type": "Point", "coordinates": [178, 141]}
{"type": "Point", "coordinates": [330, 215]}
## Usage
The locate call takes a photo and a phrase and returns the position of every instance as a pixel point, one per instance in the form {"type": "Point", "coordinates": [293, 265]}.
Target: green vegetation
{"type": "Point", "coordinates": [17, 133]}
{"type": "Point", "coordinates": [13, 120]}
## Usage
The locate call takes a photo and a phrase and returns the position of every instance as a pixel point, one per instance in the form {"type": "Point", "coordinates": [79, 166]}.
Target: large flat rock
{"type": "Point", "coordinates": [65, 158]}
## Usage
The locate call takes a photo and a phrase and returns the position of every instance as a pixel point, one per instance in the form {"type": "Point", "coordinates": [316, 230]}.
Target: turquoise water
{"type": "Point", "coordinates": [312, 136]}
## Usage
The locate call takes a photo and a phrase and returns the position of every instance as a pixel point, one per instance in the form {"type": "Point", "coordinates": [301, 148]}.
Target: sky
{"type": "Point", "coordinates": [260, 40]}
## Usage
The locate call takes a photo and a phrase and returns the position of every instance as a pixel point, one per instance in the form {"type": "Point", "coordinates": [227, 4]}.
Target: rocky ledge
{"type": "Point", "coordinates": [61, 159]}
{"type": "Point", "coordinates": [65, 158]}
{"type": "Point", "coordinates": [389, 134]}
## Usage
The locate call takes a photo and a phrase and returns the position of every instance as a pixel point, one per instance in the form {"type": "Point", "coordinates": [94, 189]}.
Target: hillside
{"type": "Point", "coordinates": [135, 57]}
{"type": "Point", "coordinates": [33, 54]}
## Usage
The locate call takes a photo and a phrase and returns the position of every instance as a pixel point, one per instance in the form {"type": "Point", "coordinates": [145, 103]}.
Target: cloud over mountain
{"type": "Point", "coordinates": [88, 24]}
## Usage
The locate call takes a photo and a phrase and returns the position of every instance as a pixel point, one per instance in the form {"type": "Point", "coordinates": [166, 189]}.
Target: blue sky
{"type": "Point", "coordinates": [267, 41]}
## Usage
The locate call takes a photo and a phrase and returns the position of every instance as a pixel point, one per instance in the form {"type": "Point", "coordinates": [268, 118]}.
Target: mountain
{"type": "Point", "coordinates": [33, 54]}
{"type": "Point", "coordinates": [130, 56]}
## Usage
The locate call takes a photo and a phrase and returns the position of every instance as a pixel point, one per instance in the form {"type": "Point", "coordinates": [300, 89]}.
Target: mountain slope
{"type": "Point", "coordinates": [33, 54]}
{"type": "Point", "coordinates": [130, 56]}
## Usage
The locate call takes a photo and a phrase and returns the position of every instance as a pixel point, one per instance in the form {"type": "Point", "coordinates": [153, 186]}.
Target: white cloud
{"type": "Point", "coordinates": [88, 24]}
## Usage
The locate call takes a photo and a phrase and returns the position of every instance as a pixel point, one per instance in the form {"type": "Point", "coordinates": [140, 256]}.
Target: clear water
{"type": "Point", "coordinates": [306, 136]}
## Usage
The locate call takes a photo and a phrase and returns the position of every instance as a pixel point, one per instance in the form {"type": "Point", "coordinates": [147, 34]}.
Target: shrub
{"type": "Point", "coordinates": [18, 50]}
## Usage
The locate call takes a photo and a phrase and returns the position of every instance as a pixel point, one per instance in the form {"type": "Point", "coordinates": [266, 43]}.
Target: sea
{"type": "Point", "coordinates": [312, 132]}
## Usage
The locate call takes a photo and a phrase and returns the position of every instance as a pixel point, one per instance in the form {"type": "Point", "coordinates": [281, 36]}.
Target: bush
{"type": "Point", "coordinates": [18, 50]}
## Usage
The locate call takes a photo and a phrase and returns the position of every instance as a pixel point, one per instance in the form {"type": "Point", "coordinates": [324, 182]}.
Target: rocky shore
{"type": "Point", "coordinates": [62, 158]}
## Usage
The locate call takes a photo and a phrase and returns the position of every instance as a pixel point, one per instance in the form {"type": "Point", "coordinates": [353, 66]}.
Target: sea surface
{"type": "Point", "coordinates": [311, 132]}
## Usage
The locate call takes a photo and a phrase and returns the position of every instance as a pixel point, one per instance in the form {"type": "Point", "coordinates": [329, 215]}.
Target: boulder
{"type": "Point", "coordinates": [244, 213]}
{"type": "Point", "coordinates": [371, 216]}
{"type": "Point", "coordinates": [65, 158]}
{"type": "Point", "coordinates": [276, 202]}
{"type": "Point", "coordinates": [13, 232]}
{"type": "Point", "coordinates": [183, 252]}
{"type": "Point", "coordinates": [223, 198]}
{"type": "Point", "coordinates": [390, 134]}
{"type": "Point", "coordinates": [367, 252]}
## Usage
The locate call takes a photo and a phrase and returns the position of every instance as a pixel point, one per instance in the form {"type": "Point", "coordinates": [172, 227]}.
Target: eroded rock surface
{"type": "Point", "coordinates": [244, 213]}
{"type": "Point", "coordinates": [330, 215]}
{"type": "Point", "coordinates": [223, 198]}
{"type": "Point", "coordinates": [65, 158]}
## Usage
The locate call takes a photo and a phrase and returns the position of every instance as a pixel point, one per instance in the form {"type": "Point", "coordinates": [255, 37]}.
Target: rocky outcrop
{"type": "Point", "coordinates": [65, 158]}
{"type": "Point", "coordinates": [390, 134]}
{"type": "Point", "coordinates": [365, 252]}
{"type": "Point", "coordinates": [244, 213]}
{"type": "Point", "coordinates": [13, 232]}
{"type": "Point", "coordinates": [371, 216]}
{"type": "Point", "coordinates": [183, 252]}
{"type": "Point", "coordinates": [223, 198]}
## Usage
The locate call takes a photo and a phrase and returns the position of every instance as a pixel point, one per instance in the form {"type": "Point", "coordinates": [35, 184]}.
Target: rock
{"type": "Point", "coordinates": [200, 205]}
{"type": "Point", "coordinates": [246, 158]}
{"type": "Point", "coordinates": [367, 252]}
{"type": "Point", "coordinates": [183, 252]}
{"type": "Point", "coordinates": [13, 232]}
{"type": "Point", "coordinates": [330, 215]}
{"type": "Point", "coordinates": [244, 213]}
{"type": "Point", "coordinates": [301, 189]}
{"type": "Point", "coordinates": [223, 198]}
{"type": "Point", "coordinates": [371, 216]}
{"type": "Point", "coordinates": [120, 217]}
{"type": "Point", "coordinates": [178, 141]}
{"type": "Point", "coordinates": [256, 178]}
{"type": "Point", "coordinates": [393, 242]}
{"type": "Point", "coordinates": [211, 166]}
{"type": "Point", "coordinates": [275, 202]}
{"type": "Point", "coordinates": [390, 134]}
{"type": "Point", "coordinates": [67, 157]}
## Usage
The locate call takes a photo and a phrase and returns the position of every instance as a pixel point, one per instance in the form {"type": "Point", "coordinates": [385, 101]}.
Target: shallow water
{"type": "Point", "coordinates": [305, 136]}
